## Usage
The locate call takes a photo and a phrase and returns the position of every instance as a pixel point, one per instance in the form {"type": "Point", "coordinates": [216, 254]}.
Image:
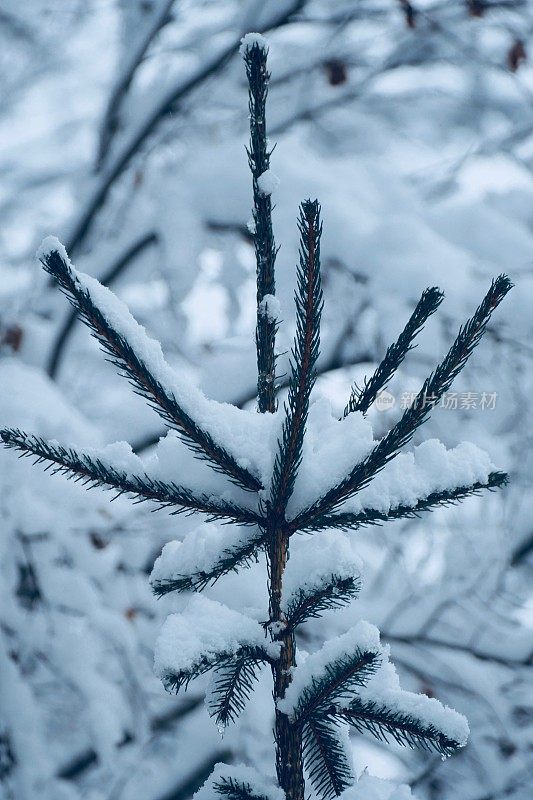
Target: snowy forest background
{"type": "Point", "coordinates": [122, 130]}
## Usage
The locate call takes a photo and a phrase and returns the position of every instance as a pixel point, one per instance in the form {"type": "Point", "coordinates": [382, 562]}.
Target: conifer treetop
{"type": "Point", "coordinates": [264, 477]}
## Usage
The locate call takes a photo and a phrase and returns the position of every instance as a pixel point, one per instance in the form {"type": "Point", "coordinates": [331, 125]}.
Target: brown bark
{"type": "Point", "coordinates": [288, 737]}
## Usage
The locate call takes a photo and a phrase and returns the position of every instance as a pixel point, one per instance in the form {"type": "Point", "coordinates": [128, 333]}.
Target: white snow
{"type": "Point", "coordinates": [362, 636]}
{"type": "Point", "coordinates": [331, 449]}
{"type": "Point", "coordinates": [429, 468]}
{"type": "Point", "coordinates": [33, 401]}
{"type": "Point", "coordinates": [315, 558]}
{"type": "Point", "coordinates": [250, 39]}
{"type": "Point", "coordinates": [261, 785]}
{"type": "Point", "coordinates": [370, 788]}
{"type": "Point", "coordinates": [268, 182]}
{"type": "Point", "coordinates": [204, 630]}
{"type": "Point", "coordinates": [270, 307]}
{"type": "Point", "coordinates": [50, 244]}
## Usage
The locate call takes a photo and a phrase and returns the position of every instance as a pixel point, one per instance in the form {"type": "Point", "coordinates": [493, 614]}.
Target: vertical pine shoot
{"type": "Point", "coordinates": [308, 298]}
{"type": "Point", "coordinates": [255, 54]}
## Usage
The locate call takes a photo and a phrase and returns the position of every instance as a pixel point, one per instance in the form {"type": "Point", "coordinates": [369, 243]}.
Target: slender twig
{"type": "Point", "coordinates": [110, 123]}
{"type": "Point", "coordinates": [168, 105]}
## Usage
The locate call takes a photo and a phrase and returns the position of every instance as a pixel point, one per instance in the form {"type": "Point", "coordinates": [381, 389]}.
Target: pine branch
{"type": "Point", "coordinates": [235, 789]}
{"type": "Point", "coordinates": [174, 680]}
{"type": "Point", "coordinates": [243, 555]}
{"type": "Point", "coordinates": [404, 728]}
{"type": "Point", "coordinates": [255, 59]}
{"type": "Point", "coordinates": [353, 521]}
{"type": "Point", "coordinates": [325, 758]}
{"type": "Point", "coordinates": [335, 593]}
{"type": "Point", "coordinates": [132, 365]}
{"type": "Point", "coordinates": [362, 399]}
{"type": "Point", "coordinates": [413, 417]}
{"type": "Point", "coordinates": [339, 679]}
{"type": "Point", "coordinates": [232, 685]}
{"type": "Point", "coordinates": [309, 302]}
{"type": "Point", "coordinates": [92, 472]}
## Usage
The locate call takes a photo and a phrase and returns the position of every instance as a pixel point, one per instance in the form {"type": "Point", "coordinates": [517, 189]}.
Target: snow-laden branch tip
{"type": "Point", "coordinates": [205, 554]}
{"type": "Point", "coordinates": [250, 40]}
{"type": "Point", "coordinates": [204, 636]}
{"type": "Point", "coordinates": [342, 663]}
{"type": "Point", "coordinates": [323, 573]}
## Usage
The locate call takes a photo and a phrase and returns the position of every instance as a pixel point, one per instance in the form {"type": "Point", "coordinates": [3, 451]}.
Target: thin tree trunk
{"type": "Point", "coordinates": [288, 737]}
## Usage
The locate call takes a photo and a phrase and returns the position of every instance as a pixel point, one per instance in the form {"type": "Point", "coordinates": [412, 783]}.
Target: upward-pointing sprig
{"type": "Point", "coordinates": [309, 303]}
{"type": "Point", "coordinates": [362, 399]}
{"type": "Point", "coordinates": [255, 59]}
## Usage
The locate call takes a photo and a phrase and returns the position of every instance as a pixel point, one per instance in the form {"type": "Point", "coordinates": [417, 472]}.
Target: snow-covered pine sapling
{"type": "Point", "coordinates": [259, 476]}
